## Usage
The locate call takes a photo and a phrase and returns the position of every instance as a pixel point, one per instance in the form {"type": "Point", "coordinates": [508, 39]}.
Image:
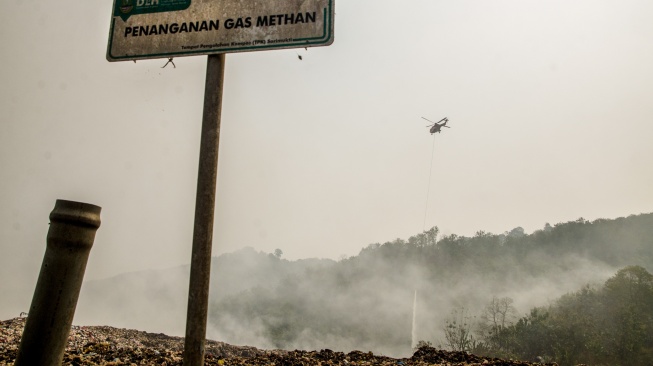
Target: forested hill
{"type": "Point", "coordinates": [366, 302]}
{"type": "Point", "coordinates": [618, 242]}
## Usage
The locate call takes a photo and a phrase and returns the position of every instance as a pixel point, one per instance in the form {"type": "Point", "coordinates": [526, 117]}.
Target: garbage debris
{"type": "Point", "coordinates": [103, 345]}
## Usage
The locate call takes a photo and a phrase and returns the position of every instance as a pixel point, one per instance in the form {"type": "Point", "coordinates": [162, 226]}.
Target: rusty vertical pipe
{"type": "Point", "coordinates": [69, 241]}
{"type": "Point", "coordinates": [200, 266]}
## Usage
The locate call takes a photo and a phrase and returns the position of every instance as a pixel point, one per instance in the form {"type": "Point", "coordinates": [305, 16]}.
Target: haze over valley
{"type": "Point", "coordinates": [365, 302]}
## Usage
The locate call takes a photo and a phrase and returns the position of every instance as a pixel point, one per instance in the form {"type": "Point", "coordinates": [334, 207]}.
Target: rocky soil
{"type": "Point", "coordinates": [102, 345]}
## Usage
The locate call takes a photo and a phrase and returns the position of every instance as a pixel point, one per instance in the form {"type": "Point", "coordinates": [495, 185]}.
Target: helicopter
{"type": "Point", "coordinates": [435, 126]}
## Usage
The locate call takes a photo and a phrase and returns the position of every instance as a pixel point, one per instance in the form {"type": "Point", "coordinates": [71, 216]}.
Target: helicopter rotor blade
{"type": "Point", "coordinates": [428, 120]}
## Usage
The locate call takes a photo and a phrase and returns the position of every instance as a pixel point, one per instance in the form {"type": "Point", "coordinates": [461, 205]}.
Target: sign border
{"type": "Point", "coordinates": [325, 40]}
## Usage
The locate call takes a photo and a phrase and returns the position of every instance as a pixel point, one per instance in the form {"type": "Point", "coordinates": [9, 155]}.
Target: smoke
{"type": "Point", "coordinates": [413, 336]}
{"type": "Point", "coordinates": [385, 300]}
{"type": "Point", "coordinates": [270, 303]}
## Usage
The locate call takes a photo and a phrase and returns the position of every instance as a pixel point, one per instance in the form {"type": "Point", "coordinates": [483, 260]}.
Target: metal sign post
{"type": "Point", "coordinates": [146, 29]}
{"type": "Point", "coordinates": [200, 266]}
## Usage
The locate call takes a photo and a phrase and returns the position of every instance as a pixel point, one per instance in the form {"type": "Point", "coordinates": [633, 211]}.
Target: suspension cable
{"type": "Point", "coordinates": [428, 189]}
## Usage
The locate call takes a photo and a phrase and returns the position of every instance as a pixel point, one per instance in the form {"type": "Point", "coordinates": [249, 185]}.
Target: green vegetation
{"type": "Point", "coordinates": [466, 287]}
{"type": "Point", "coordinates": [608, 325]}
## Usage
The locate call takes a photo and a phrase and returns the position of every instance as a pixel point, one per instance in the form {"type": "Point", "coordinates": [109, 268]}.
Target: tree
{"type": "Point", "coordinates": [458, 330]}
{"type": "Point", "coordinates": [517, 232]}
{"type": "Point", "coordinates": [629, 301]}
{"type": "Point", "coordinates": [496, 317]}
{"type": "Point", "coordinates": [547, 227]}
{"type": "Point", "coordinates": [278, 253]}
{"type": "Point", "coordinates": [532, 335]}
{"type": "Point", "coordinates": [432, 236]}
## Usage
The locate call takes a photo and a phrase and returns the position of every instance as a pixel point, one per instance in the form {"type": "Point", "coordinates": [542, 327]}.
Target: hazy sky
{"type": "Point", "coordinates": [550, 104]}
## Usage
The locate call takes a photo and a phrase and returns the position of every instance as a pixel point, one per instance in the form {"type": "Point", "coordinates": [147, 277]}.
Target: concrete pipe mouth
{"type": "Point", "coordinates": [76, 213]}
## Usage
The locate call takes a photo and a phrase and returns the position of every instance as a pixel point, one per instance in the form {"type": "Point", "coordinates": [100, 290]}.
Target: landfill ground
{"type": "Point", "coordinates": [103, 345]}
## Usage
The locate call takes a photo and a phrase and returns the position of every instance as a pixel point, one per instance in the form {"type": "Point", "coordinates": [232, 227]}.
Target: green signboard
{"type": "Point", "coordinates": [126, 8]}
{"type": "Point", "coordinates": [143, 29]}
